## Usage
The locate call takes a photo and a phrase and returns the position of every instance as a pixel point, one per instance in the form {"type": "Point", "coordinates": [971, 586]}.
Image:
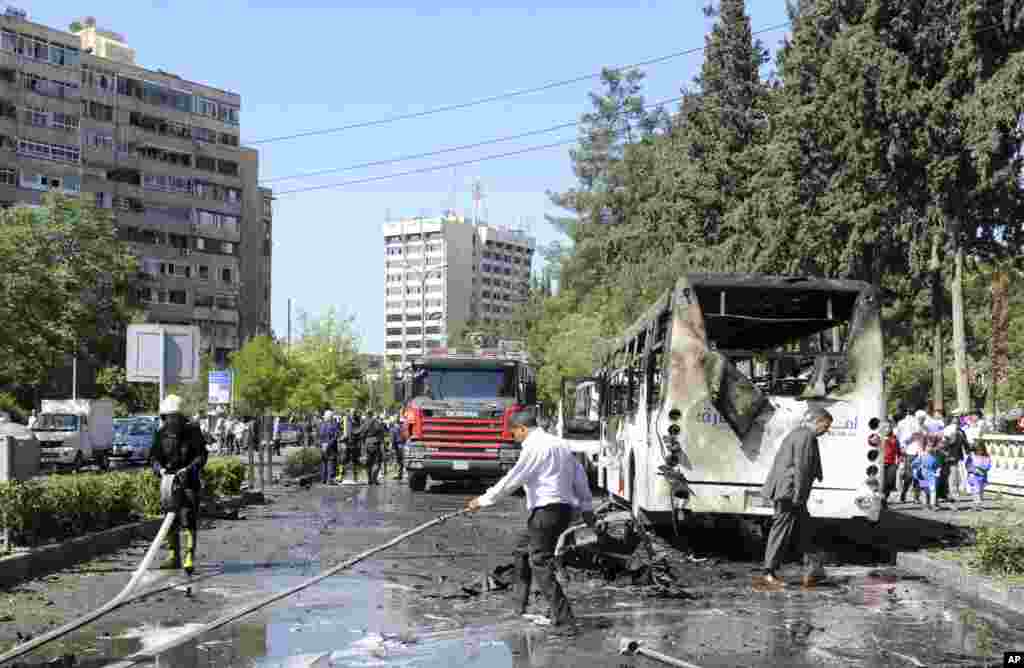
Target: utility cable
{"type": "Point", "coordinates": [526, 91]}
{"type": "Point", "coordinates": [424, 170]}
{"type": "Point", "coordinates": [449, 165]}
{"type": "Point", "coordinates": [451, 149]}
{"type": "Point", "coordinates": [495, 98]}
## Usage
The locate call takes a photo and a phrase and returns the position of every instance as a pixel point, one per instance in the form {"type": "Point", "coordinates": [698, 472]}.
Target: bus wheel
{"type": "Point", "coordinates": [418, 482]}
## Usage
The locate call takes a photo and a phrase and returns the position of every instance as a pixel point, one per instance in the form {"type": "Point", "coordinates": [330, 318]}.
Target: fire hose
{"type": "Point", "coordinates": [170, 490]}
{"type": "Point", "coordinates": [114, 603]}
{"type": "Point", "coordinates": [149, 654]}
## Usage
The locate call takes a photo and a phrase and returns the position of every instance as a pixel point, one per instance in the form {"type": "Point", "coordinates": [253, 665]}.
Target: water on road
{"type": "Point", "coordinates": [411, 612]}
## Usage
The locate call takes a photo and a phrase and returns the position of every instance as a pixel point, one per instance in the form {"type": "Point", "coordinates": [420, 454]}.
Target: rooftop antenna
{"type": "Point", "coordinates": [387, 215]}
{"type": "Point", "coordinates": [484, 198]}
{"type": "Point", "coordinates": [477, 195]}
{"type": "Point", "coordinates": [452, 201]}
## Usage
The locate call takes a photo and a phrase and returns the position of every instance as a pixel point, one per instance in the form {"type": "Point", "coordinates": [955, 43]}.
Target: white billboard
{"type": "Point", "coordinates": [174, 348]}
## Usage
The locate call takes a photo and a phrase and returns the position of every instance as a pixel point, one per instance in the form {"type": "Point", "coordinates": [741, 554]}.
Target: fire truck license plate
{"type": "Point", "coordinates": [462, 414]}
{"type": "Point", "coordinates": [460, 466]}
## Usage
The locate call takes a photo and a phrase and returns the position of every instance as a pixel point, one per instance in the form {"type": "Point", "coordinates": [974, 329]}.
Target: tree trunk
{"type": "Point", "coordinates": [1000, 332]}
{"type": "Point", "coordinates": [937, 358]}
{"type": "Point", "coordinates": [963, 392]}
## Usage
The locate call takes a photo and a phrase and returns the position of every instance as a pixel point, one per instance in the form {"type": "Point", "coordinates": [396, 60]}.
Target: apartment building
{"type": "Point", "coordinates": [442, 272]}
{"type": "Point", "coordinates": [79, 116]}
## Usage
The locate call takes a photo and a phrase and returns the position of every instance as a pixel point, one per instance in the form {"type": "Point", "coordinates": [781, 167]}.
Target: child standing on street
{"type": "Point", "coordinates": [978, 466]}
{"type": "Point", "coordinates": [928, 467]}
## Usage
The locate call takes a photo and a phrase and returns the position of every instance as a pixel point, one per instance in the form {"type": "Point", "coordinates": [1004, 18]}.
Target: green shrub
{"type": "Point", "coordinates": [999, 551]}
{"type": "Point", "coordinates": [147, 493]}
{"type": "Point", "coordinates": [64, 506]}
{"type": "Point", "coordinates": [9, 404]}
{"type": "Point", "coordinates": [302, 462]}
{"type": "Point", "coordinates": [223, 476]}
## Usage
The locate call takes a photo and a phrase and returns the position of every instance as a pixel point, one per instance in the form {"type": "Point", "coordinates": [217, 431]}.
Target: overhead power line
{"type": "Point", "coordinates": [449, 165]}
{"type": "Point", "coordinates": [493, 98]}
{"type": "Point", "coordinates": [424, 170]}
{"type": "Point", "coordinates": [452, 149]}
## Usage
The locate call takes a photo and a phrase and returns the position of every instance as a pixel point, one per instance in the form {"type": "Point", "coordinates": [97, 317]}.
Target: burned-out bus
{"type": "Point", "coordinates": [699, 392]}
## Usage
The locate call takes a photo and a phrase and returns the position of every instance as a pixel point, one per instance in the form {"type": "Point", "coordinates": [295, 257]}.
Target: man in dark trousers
{"type": "Point", "coordinates": [398, 447]}
{"type": "Point", "coordinates": [556, 486]}
{"type": "Point", "coordinates": [372, 434]}
{"type": "Point", "coordinates": [179, 449]}
{"type": "Point", "coordinates": [328, 448]}
{"type": "Point", "coordinates": [353, 447]}
{"type": "Point", "coordinates": [797, 465]}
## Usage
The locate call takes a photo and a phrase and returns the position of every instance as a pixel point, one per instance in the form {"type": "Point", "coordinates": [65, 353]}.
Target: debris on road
{"type": "Point", "coordinates": [629, 647]}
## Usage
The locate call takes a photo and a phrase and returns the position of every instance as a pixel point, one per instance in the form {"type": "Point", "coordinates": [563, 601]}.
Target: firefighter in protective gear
{"type": "Point", "coordinates": [179, 449]}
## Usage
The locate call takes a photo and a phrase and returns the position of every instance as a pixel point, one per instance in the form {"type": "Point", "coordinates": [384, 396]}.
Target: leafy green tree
{"type": "Point", "coordinates": [195, 397]}
{"type": "Point", "coordinates": [326, 365]}
{"type": "Point", "coordinates": [129, 398]}
{"type": "Point", "coordinates": [9, 404]}
{"type": "Point", "coordinates": [64, 287]}
{"type": "Point", "coordinates": [606, 164]}
{"type": "Point", "coordinates": [264, 375]}
{"type": "Point", "coordinates": [383, 390]}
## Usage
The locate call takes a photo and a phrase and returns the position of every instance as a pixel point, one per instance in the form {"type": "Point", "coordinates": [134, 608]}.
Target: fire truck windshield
{"type": "Point", "coordinates": [474, 384]}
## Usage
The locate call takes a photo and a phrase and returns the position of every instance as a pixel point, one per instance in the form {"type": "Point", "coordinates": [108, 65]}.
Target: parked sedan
{"type": "Point", "coordinates": [289, 434]}
{"type": "Point", "coordinates": [134, 444]}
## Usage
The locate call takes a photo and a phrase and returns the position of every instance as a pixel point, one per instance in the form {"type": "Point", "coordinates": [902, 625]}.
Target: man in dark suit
{"type": "Point", "coordinates": [797, 465]}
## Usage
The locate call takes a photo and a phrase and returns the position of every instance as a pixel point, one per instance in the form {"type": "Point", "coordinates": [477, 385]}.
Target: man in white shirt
{"type": "Point", "coordinates": [911, 424]}
{"type": "Point", "coordinates": [936, 423]}
{"type": "Point", "coordinates": [556, 485]}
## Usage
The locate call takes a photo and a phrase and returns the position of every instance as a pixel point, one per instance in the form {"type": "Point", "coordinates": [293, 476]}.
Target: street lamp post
{"type": "Point", "coordinates": [425, 273]}
{"type": "Point", "coordinates": [423, 297]}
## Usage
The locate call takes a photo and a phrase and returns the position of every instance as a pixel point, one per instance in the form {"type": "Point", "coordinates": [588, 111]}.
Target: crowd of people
{"type": "Point", "coordinates": [232, 435]}
{"type": "Point", "coordinates": [933, 457]}
{"type": "Point", "coordinates": [348, 439]}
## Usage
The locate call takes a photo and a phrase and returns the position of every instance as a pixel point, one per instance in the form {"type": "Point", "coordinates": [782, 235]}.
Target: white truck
{"type": "Point", "coordinates": [75, 432]}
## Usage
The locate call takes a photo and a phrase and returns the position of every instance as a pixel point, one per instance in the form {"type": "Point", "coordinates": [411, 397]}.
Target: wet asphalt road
{"type": "Point", "coordinates": [406, 607]}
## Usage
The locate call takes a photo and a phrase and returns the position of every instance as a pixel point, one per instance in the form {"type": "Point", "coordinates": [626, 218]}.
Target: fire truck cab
{"type": "Point", "coordinates": [456, 409]}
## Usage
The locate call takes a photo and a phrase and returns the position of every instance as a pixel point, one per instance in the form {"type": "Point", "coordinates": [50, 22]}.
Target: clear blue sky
{"type": "Point", "coordinates": [304, 65]}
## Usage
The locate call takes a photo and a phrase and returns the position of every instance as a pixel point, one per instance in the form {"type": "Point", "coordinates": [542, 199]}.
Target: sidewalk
{"type": "Point", "coordinates": [954, 566]}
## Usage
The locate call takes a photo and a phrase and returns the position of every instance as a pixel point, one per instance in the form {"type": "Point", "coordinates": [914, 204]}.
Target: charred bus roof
{"type": "Point", "coordinates": [771, 310]}
{"type": "Point", "coordinates": [761, 311]}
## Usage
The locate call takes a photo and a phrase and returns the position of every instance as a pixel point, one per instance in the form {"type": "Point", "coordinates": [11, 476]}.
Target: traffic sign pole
{"type": "Point", "coordinates": [163, 364]}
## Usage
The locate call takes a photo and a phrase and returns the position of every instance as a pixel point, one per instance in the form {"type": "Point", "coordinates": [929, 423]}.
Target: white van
{"type": "Point", "coordinates": [75, 432]}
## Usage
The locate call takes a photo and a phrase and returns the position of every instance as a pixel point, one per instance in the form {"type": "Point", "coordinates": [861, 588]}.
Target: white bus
{"type": "Point", "coordinates": [698, 394]}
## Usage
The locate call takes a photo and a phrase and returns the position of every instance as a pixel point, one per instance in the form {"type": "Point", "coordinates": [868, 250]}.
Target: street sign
{"type": "Point", "coordinates": [220, 387]}
{"type": "Point", "coordinates": [164, 354]}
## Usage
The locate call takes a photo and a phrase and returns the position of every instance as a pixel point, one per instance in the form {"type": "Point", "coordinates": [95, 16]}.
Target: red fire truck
{"type": "Point", "coordinates": [456, 409]}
